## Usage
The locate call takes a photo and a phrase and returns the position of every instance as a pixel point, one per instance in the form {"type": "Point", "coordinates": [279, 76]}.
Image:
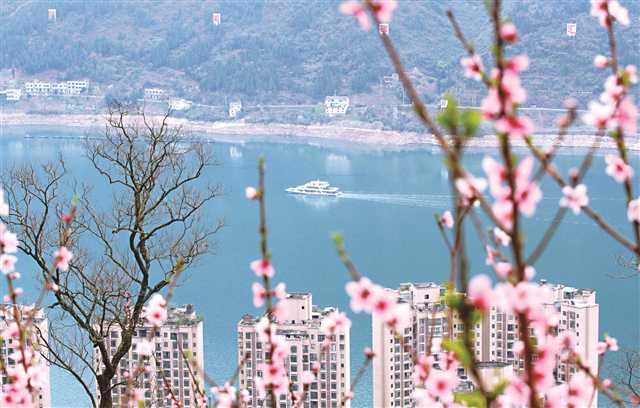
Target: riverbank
{"type": "Point", "coordinates": [240, 130]}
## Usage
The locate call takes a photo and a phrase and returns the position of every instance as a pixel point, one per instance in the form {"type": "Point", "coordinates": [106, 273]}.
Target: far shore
{"type": "Point", "coordinates": [240, 131]}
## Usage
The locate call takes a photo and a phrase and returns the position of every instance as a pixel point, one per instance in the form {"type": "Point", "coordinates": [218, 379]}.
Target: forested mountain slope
{"type": "Point", "coordinates": [294, 51]}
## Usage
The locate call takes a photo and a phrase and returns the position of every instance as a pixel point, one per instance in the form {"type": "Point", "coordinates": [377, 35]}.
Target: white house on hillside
{"type": "Point", "coordinates": [336, 105]}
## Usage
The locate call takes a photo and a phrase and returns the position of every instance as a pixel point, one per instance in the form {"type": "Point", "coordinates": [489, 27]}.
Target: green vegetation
{"type": "Point", "coordinates": [294, 52]}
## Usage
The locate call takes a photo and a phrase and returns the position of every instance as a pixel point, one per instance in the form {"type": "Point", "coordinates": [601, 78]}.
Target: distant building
{"type": "Point", "coordinates": [300, 327]}
{"type": "Point", "coordinates": [11, 95]}
{"type": "Point", "coordinates": [493, 373]}
{"type": "Point", "coordinates": [179, 104]}
{"type": "Point", "coordinates": [383, 28]}
{"type": "Point", "coordinates": [68, 88]}
{"type": "Point", "coordinates": [336, 105]}
{"type": "Point", "coordinates": [52, 15]}
{"type": "Point", "coordinates": [154, 94]}
{"type": "Point", "coordinates": [182, 332]}
{"type": "Point", "coordinates": [234, 109]}
{"type": "Point", "coordinates": [216, 18]}
{"type": "Point", "coordinates": [8, 347]}
{"type": "Point", "coordinates": [391, 81]}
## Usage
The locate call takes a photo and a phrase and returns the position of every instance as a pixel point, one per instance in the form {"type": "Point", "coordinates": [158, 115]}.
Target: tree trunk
{"type": "Point", "coordinates": [104, 388]}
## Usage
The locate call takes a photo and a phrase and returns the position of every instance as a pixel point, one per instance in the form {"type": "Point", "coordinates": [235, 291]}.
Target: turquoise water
{"type": "Point", "coordinates": [387, 220]}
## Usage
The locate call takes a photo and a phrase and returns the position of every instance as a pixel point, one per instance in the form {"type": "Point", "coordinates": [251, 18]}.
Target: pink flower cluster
{"type": "Point", "coordinates": [381, 302]}
{"type": "Point", "coordinates": [607, 10]}
{"type": "Point", "coordinates": [382, 10]}
{"type": "Point", "coordinates": [227, 396]}
{"type": "Point", "coordinates": [527, 192]}
{"type": "Point", "coordinates": [25, 372]}
{"type": "Point", "coordinates": [156, 310]}
{"type": "Point", "coordinates": [436, 377]}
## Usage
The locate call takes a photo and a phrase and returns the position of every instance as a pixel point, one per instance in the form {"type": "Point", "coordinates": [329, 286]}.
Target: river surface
{"type": "Point", "coordinates": [386, 217]}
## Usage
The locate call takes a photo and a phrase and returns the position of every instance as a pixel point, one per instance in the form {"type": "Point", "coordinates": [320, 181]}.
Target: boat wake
{"type": "Point", "coordinates": [411, 200]}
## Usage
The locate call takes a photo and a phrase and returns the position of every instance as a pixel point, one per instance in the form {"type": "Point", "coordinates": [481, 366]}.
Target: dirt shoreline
{"type": "Point", "coordinates": [230, 131]}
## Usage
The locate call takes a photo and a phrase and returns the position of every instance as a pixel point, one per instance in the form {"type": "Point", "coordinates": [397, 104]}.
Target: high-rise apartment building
{"type": "Point", "coordinates": [300, 326]}
{"type": "Point", "coordinates": [494, 338]}
{"type": "Point", "coordinates": [43, 398]}
{"type": "Point", "coordinates": [182, 332]}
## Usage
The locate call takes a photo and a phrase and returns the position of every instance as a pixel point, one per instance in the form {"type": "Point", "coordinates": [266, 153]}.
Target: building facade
{"type": "Point", "coordinates": [182, 332]}
{"type": "Point", "coordinates": [300, 326]}
{"type": "Point", "coordinates": [154, 94]}
{"type": "Point", "coordinates": [234, 109]}
{"type": "Point", "coordinates": [11, 95]}
{"type": "Point", "coordinates": [43, 398]}
{"type": "Point", "coordinates": [393, 366]}
{"type": "Point", "coordinates": [494, 338]}
{"type": "Point", "coordinates": [68, 88]}
{"type": "Point", "coordinates": [336, 105]}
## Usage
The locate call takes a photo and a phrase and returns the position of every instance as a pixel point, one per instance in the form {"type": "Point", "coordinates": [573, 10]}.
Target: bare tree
{"type": "Point", "coordinates": [126, 247]}
{"type": "Point", "coordinates": [624, 368]}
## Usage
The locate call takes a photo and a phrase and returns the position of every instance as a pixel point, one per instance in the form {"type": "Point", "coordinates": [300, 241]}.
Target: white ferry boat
{"type": "Point", "coordinates": [317, 187]}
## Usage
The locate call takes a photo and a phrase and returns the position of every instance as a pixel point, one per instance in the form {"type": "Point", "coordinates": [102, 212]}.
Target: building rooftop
{"type": "Point", "coordinates": [182, 315]}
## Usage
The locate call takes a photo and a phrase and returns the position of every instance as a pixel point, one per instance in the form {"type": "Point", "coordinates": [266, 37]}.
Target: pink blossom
{"type": "Point", "coordinates": [358, 10]}
{"type": "Point", "coordinates": [145, 348]}
{"type": "Point", "coordinates": [383, 303]}
{"type": "Point", "coordinates": [618, 12]}
{"type": "Point", "coordinates": [361, 294]}
{"type": "Point", "coordinates": [600, 61]}
{"type": "Point", "coordinates": [631, 73]}
{"type": "Point", "coordinates": [262, 268]}
{"type": "Point", "coordinates": [447, 219]}
{"type": "Point", "coordinates": [610, 343]}
{"type": "Point", "coordinates": [156, 310]}
{"type": "Point", "coordinates": [599, 9]}
{"type": "Point", "coordinates": [503, 211]}
{"type": "Point", "coordinates": [613, 90]}
{"type": "Point", "coordinates": [517, 64]}
{"type": "Point", "coordinates": [382, 9]}
{"type": "Point", "coordinates": [62, 258]}
{"type": "Point", "coordinates": [280, 291]}
{"type": "Point", "coordinates": [7, 263]}
{"type": "Point", "coordinates": [480, 292]}
{"type": "Point", "coordinates": [473, 66]}
{"type": "Point", "coordinates": [617, 168]}
{"type": "Point", "coordinates": [497, 175]}
{"type": "Point", "coordinates": [399, 318]}
{"type": "Point", "coordinates": [580, 390]}
{"type": "Point", "coordinates": [513, 91]}
{"type": "Point", "coordinates": [335, 322]}
{"type": "Point", "coordinates": [491, 253]}
{"type": "Point", "coordinates": [626, 116]}
{"type": "Point", "coordinates": [633, 210]}
{"type": "Point", "coordinates": [8, 240]}
{"type": "Point", "coordinates": [528, 197]}
{"type": "Point", "coordinates": [502, 237]}
{"type": "Point", "coordinates": [470, 187]}
{"type": "Point", "coordinates": [251, 193]}
{"type": "Point", "coordinates": [440, 384]}
{"type": "Point", "coordinates": [265, 329]}
{"type": "Point", "coordinates": [307, 377]}
{"type": "Point", "coordinates": [516, 127]}
{"type": "Point", "coordinates": [508, 32]}
{"type": "Point", "coordinates": [529, 272]}
{"type": "Point", "coordinates": [574, 198]}
{"type": "Point", "coordinates": [503, 269]}
{"type": "Point", "coordinates": [490, 105]}
{"type": "Point", "coordinates": [259, 294]}
{"type": "Point", "coordinates": [528, 194]}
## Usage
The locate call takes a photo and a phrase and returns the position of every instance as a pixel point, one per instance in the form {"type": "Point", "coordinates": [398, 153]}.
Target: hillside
{"type": "Point", "coordinates": [291, 51]}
